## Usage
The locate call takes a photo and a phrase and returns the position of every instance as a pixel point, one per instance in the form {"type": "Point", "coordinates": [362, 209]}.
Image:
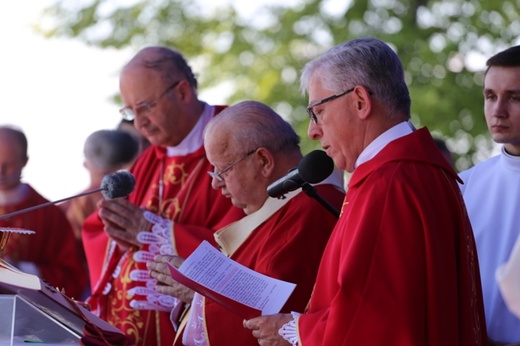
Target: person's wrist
{"type": "Point", "coordinates": [289, 331]}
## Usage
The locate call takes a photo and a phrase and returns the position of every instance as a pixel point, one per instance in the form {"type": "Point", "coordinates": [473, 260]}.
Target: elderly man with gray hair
{"type": "Point", "coordinates": [401, 265]}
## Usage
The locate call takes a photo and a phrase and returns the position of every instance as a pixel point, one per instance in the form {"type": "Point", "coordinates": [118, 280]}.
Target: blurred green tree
{"type": "Point", "coordinates": [259, 55]}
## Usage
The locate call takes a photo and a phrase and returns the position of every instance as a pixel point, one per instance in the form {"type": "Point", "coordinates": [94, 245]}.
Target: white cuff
{"type": "Point", "coordinates": [289, 331]}
{"type": "Point", "coordinates": [155, 242]}
{"type": "Point", "coordinates": [158, 239]}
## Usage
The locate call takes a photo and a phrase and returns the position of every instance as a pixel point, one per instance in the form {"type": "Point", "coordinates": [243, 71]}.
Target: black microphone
{"type": "Point", "coordinates": [313, 168]}
{"type": "Point", "coordinates": [115, 185]}
{"type": "Point", "coordinates": [118, 184]}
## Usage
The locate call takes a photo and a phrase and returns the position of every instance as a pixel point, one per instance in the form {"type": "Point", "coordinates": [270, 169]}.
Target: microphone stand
{"type": "Point", "coordinates": [311, 191]}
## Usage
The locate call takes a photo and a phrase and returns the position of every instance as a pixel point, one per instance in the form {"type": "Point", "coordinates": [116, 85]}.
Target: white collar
{"type": "Point", "coordinates": [509, 161]}
{"type": "Point", "coordinates": [397, 131]}
{"type": "Point", "coordinates": [194, 140]}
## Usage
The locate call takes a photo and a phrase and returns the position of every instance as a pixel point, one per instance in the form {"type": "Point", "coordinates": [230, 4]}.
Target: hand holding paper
{"type": "Point", "coordinates": [159, 270]}
{"type": "Point", "coordinates": [240, 289]}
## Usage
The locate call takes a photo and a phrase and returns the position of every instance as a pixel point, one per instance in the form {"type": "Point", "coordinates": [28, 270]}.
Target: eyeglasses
{"type": "Point", "coordinates": [219, 176]}
{"type": "Point", "coordinates": [128, 113]}
{"type": "Point", "coordinates": [310, 109]}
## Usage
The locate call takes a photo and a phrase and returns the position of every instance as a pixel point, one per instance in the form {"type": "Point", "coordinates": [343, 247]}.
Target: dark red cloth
{"type": "Point", "coordinates": [401, 266]}
{"type": "Point", "coordinates": [94, 336]}
{"type": "Point", "coordinates": [53, 248]}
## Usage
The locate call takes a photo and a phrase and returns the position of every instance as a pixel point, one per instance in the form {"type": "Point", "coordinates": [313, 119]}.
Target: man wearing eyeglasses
{"type": "Point", "coordinates": [251, 146]}
{"type": "Point", "coordinates": [401, 265]}
{"type": "Point", "coordinates": [159, 91]}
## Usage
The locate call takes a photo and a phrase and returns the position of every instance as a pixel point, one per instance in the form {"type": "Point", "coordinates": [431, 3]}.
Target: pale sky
{"type": "Point", "coordinates": [57, 91]}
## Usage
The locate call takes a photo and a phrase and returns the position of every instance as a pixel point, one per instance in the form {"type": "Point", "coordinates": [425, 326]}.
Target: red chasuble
{"type": "Point", "coordinates": [401, 266]}
{"type": "Point", "coordinates": [197, 210]}
{"type": "Point", "coordinates": [53, 248]}
{"type": "Point", "coordinates": [288, 246]}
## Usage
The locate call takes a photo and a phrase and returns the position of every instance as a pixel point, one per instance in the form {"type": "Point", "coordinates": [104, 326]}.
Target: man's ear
{"type": "Point", "coordinates": [363, 101]}
{"type": "Point", "coordinates": [265, 161]}
{"type": "Point", "coordinates": [185, 91]}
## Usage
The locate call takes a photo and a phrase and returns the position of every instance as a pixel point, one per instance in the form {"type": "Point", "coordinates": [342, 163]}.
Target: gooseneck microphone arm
{"type": "Point", "coordinates": [311, 192]}
{"type": "Point", "coordinates": [312, 169]}
{"type": "Point", "coordinates": [47, 204]}
{"type": "Point", "coordinates": [115, 185]}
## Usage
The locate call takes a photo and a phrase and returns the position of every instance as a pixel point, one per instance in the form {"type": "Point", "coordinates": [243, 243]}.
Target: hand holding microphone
{"type": "Point", "coordinates": [122, 219]}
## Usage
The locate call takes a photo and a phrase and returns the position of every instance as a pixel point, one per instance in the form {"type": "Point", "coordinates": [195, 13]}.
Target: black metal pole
{"type": "Point", "coordinates": [311, 191]}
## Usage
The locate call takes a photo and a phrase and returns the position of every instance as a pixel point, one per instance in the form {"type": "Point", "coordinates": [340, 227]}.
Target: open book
{"type": "Point", "coordinates": [10, 274]}
{"type": "Point", "coordinates": [13, 276]}
{"type": "Point", "coordinates": [236, 287]}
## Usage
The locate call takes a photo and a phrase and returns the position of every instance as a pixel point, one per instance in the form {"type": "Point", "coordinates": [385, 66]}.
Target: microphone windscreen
{"type": "Point", "coordinates": [118, 184]}
{"type": "Point", "coordinates": [315, 167]}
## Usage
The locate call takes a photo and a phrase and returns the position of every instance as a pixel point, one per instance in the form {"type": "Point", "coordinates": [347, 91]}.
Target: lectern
{"type": "Point", "coordinates": [32, 311]}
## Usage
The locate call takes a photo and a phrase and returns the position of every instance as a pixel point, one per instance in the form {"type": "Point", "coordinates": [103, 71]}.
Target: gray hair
{"type": "Point", "coordinates": [110, 150]}
{"type": "Point", "coordinates": [368, 62]}
{"type": "Point", "coordinates": [252, 125]}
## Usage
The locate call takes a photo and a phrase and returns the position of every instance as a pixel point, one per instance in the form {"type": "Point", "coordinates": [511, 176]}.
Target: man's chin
{"type": "Point", "coordinates": [238, 204]}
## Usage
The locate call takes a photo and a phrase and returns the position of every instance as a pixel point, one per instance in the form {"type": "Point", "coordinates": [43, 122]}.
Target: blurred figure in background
{"type": "Point", "coordinates": [51, 253]}
{"type": "Point", "coordinates": [106, 151]}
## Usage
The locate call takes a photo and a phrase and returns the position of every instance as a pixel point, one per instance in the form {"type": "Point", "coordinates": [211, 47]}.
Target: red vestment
{"type": "Point", "coordinates": [197, 211]}
{"type": "Point", "coordinates": [288, 246]}
{"type": "Point", "coordinates": [401, 266]}
{"type": "Point", "coordinates": [53, 248]}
